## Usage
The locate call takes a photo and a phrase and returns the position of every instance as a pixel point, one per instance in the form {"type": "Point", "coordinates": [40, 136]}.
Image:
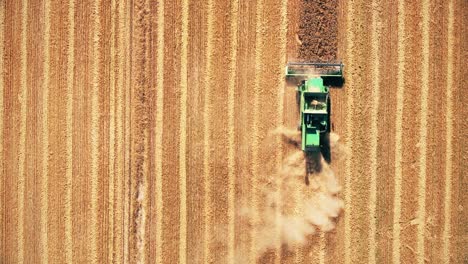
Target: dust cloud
{"type": "Point", "coordinates": [296, 203]}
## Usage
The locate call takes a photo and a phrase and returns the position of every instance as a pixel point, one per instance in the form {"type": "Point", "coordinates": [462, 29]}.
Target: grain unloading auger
{"type": "Point", "coordinates": [314, 99]}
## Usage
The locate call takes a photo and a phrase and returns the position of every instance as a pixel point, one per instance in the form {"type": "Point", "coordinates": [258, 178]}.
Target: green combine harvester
{"type": "Point", "coordinates": [314, 99]}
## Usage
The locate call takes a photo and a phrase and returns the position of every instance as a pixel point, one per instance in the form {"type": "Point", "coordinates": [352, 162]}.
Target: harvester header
{"type": "Point", "coordinates": [314, 69]}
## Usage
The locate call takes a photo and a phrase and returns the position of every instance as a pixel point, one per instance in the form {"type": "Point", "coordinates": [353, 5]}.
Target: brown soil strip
{"type": "Point", "coordinates": [318, 31]}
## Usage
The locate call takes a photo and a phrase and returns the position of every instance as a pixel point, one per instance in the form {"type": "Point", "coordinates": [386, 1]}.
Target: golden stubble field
{"type": "Point", "coordinates": [147, 131]}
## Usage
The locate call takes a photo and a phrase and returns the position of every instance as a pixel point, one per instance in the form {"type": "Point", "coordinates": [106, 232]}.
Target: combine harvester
{"type": "Point", "coordinates": [314, 123]}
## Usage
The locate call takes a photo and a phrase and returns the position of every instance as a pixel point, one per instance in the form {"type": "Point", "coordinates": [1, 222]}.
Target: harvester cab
{"type": "Point", "coordinates": [314, 102]}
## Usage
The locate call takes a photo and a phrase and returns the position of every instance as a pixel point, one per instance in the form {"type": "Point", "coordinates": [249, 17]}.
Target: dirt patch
{"type": "Point", "coordinates": [318, 30]}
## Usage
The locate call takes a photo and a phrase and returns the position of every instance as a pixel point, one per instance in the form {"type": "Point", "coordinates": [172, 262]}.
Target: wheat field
{"type": "Point", "coordinates": [142, 131]}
